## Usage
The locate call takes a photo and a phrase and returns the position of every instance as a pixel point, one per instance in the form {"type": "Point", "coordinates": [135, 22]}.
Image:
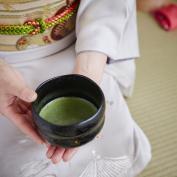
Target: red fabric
{"type": "Point", "coordinates": [167, 17]}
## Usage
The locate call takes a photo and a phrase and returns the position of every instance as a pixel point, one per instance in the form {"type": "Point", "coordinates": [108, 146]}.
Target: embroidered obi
{"type": "Point", "coordinates": [26, 24]}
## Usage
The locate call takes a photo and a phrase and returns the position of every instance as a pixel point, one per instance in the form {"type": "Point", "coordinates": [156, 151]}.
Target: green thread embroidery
{"type": "Point", "coordinates": [39, 25]}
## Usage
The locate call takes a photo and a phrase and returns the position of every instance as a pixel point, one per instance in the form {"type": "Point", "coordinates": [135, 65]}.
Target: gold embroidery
{"type": "Point", "coordinates": [31, 15]}
{"type": "Point", "coordinates": [46, 11]}
{"type": "Point", "coordinates": [7, 6]}
{"type": "Point", "coordinates": [22, 43]}
{"type": "Point", "coordinates": [16, 1]}
{"type": "Point", "coordinates": [25, 42]}
{"type": "Point", "coordinates": [8, 47]}
{"type": "Point", "coordinates": [35, 8]}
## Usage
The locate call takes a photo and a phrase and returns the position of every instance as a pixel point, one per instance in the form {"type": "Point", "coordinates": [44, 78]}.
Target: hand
{"type": "Point", "coordinates": [58, 153]}
{"type": "Point", "coordinates": [90, 64]}
{"type": "Point", "coordinates": [15, 99]}
{"type": "Point", "coordinates": [15, 104]}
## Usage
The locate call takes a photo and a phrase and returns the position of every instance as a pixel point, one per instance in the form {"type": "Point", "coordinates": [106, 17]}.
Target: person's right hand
{"type": "Point", "coordinates": [15, 101]}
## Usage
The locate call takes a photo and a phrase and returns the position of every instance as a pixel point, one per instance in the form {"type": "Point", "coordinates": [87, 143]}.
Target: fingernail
{"type": "Point", "coordinates": [32, 96]}
{"type": "Point", "coordinates": [67, 158]}
{"type": "Point", "coordinates": [50, 152]}
{"type": "Point", "coordinates": [29, 94]}
{"type": "Point", "coordinates": [56, 159]}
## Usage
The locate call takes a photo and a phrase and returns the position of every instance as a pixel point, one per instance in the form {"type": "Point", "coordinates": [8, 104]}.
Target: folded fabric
{"type": "Point", "coordinates": [167, 17]}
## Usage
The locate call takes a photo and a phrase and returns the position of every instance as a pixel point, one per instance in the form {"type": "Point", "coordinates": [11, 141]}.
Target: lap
{"type": "Point", "coordinates": [116, 139]}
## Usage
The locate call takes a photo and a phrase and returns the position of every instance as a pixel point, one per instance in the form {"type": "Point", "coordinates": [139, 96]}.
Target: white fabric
{"type": "Point", "coordinates": [120, 136]}
{"type": "Point", "coordinates": [39, 52]}
{"type": "Point", "coordinates": [107, 26]}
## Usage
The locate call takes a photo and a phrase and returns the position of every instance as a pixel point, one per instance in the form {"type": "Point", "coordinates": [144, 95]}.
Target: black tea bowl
{"type": "Point", "coordinates": [72, 85]}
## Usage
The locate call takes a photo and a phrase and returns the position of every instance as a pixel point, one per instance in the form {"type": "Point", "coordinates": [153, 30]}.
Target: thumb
{"type": "Point", "coordinates": [26, 94]}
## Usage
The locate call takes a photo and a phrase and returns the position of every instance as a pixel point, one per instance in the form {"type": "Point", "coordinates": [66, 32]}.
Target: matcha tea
{"type": "Point", "coordinates": [67, 110]}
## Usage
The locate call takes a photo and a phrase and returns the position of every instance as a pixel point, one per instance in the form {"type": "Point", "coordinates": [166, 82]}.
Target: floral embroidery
{"type": "Point", "coordinates": [46, 40]}
{"type": "Point", "coordinates": [22, 43]}
{"type": "Point", "coordinates": [107, 167]}
{"type": "Point", "coordinates": [27, 42]}
{"type": "Point", "coordinates": [7, 6]}
{"type": "Point", "coordinates": [62, 30]}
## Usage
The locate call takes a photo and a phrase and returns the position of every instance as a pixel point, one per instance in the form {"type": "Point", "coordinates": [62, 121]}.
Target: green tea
{"type": "Point", "coordinates": [67, 110]}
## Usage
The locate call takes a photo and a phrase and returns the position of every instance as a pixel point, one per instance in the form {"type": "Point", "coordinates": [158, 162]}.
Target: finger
{"type": "Point", "coordinates": [58, 154]}
{"type": "Point", "coordinates": [24, 106]}
{"type": "Point", "coordinates": [68, 154]}
{"type": "Point", "coordinates": [24, 125]}
{"type": "Point", "coordinates": [24, 93]}
{"type": "Point", "coordinates": [30, 115]}
{"type": "Point", "coordinates": [50, 151]}
{"type": "Point", "coordinates": [21, 106]}
{"type": "Point", "coordinates": [25, 110]}
{"type": "Point", "coordinates": [27, 95]}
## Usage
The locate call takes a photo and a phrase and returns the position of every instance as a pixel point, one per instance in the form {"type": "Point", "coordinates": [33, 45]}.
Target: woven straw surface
{"type": "Point", "coordinates": [154, 102]}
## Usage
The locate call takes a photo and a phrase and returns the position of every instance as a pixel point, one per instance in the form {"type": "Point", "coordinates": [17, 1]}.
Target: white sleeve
{"type": "Point", "coordinates": [107, 26]}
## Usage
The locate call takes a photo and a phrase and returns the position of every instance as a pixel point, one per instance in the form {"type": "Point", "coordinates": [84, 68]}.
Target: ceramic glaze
{"type": "Point", "coordinates": [69, 110]}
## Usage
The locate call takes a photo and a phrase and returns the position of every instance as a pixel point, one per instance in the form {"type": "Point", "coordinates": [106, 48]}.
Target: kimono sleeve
{"type": "Point", "coordinates": [109, 27]}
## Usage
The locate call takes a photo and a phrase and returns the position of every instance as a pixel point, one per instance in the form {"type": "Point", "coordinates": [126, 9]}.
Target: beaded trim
{"type": "Point", "coordinates": [39, 25]}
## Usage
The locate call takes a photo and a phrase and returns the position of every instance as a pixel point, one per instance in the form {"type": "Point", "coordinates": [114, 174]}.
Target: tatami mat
{"type": "Point", "coordinates": [154, 103]}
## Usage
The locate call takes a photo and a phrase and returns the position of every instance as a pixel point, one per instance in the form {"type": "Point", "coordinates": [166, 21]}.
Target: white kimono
{"type": "Point", "coordinates": [122, 149]}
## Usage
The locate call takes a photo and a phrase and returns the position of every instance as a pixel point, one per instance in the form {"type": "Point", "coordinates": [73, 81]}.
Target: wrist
{"type": "Point", "coordinates": [90, 64]}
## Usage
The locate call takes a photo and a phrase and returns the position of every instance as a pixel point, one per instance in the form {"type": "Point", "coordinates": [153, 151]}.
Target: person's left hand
{"type": "Point", "coordinates": [89, 64]}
